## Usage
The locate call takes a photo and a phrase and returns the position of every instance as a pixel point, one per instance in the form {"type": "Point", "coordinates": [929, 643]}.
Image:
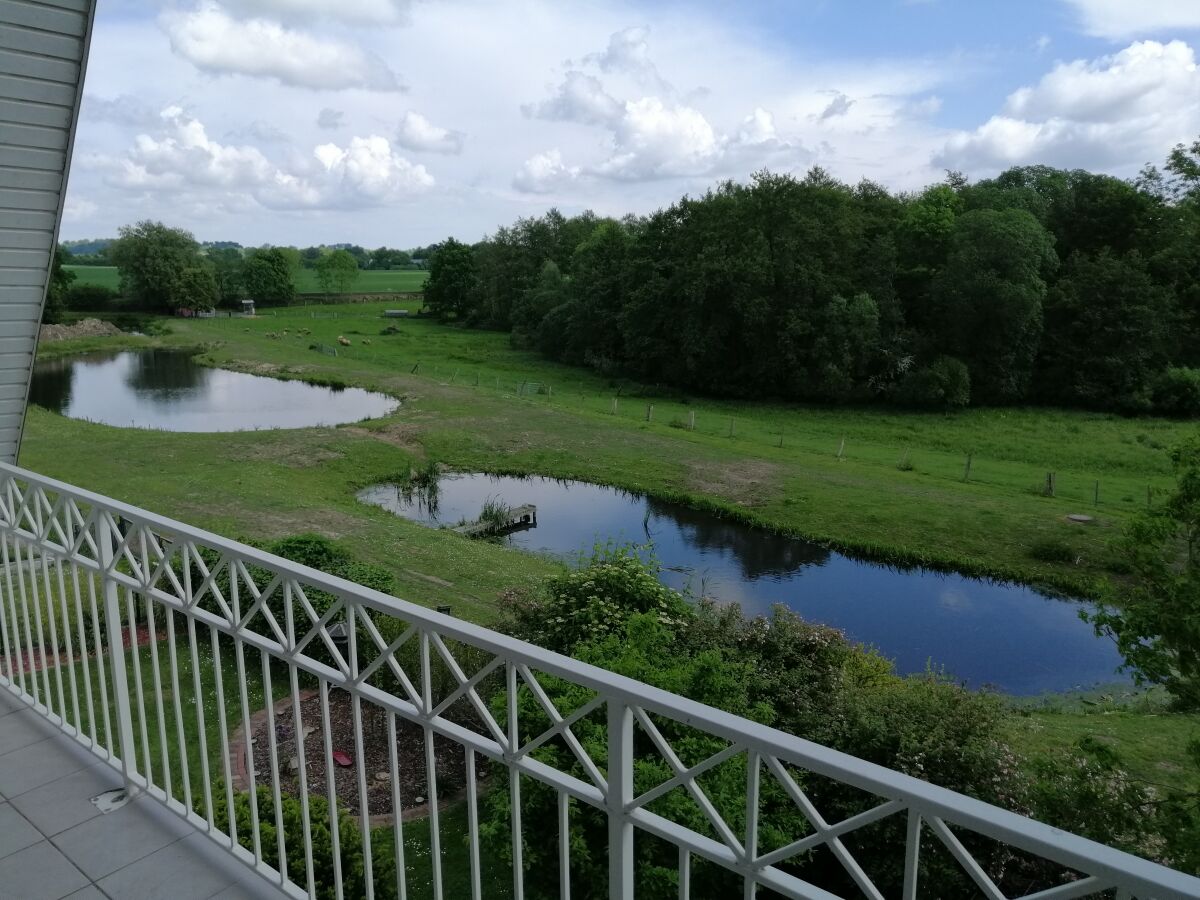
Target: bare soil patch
{"type": "Point", "coordinates": [449, 757]}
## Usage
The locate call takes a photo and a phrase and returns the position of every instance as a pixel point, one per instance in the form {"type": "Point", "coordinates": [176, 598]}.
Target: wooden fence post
{"type": "Point", "coordinates": [731, 427]}
{"type": "Point", "coordinates": [692, 420]}
{"type": "Point", "coordinates": [841, 448]}
{"type": "Point", "coordinates": [614, 406]}
{"type": "Point", "coordinates": [1049, 489]}
{"type": "Point", "coordinates": [967, 470]}
{"type": "Point", "coordinates": [1096, 495]}
{"type": "Point", "coordinates": [649, 412]}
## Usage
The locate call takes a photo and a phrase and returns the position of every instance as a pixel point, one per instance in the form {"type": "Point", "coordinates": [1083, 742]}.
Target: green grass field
{"type": "Point", "coordinates": [104, 276]}
{"type": "Point", "coordinates": [475, 403]}
{"type": "Point", "coordinates": [368, 282]}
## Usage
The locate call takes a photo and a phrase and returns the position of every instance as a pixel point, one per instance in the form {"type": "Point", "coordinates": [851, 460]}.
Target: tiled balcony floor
{"type": "Point", "coordinates": [54, 842]}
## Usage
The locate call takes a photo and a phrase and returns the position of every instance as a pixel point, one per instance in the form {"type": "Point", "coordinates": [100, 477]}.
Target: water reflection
{"type": "Point", "coordinates": [1004, 635]}
{"type": "Point", "coordinates": [759, 553]}
{"type": "Point", "coordinates": [166, 389]}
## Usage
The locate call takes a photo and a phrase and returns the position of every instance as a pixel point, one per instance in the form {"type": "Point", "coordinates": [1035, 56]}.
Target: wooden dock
{"type": "Point", "coordinates": [518, 518]}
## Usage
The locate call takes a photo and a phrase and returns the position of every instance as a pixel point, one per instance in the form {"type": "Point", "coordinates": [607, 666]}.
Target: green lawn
{"type": "Point", "coordinates": [368, 282]}
{"type": "Point", "coordinates": [475, 403]}
{"type": "Point", "coordinates": [1151, 744]}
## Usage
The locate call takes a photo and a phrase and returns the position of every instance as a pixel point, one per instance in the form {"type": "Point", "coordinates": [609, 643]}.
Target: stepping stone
{"type": "Point", "coordinates": [1080, 519]}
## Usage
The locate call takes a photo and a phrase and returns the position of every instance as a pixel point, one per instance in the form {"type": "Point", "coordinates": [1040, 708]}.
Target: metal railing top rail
{"type": "Point", "coordinates": [28, 515]}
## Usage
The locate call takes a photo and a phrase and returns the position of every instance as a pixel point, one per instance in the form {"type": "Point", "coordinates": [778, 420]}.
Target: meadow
{"type": "Point", "coordinates": [879, 482]}
{"type": "Point", "coordinates": [368, 282]}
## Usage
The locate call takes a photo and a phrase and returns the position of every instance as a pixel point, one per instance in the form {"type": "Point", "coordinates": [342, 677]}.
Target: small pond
{"type": "Point", "coordinates": [1004, 635]}
{"type": "Point", "coordinates": [167, 389]}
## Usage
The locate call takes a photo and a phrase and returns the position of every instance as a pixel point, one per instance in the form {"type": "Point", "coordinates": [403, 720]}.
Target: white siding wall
{"type": "Point", "coordinates": [43, 54]}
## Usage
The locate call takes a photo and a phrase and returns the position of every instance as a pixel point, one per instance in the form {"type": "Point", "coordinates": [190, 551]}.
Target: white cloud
{"type": "Point", "coordinates": [368, 173]}
{"type": "Point", "coordinates": [184, 160]}
{"type": "Point", "coordinates": [417, 133]}
{"type": "Point", "coordinates": [357, 12]}
{"type": "Point", "coordinates": [760, 100]}
{"type": "Point", "coordinates": [1113, 112]}
{"type": "Point", "coordinates": [580, 98]}
{"type": "Point", "coordinates": [214, 41]}
{"type": "Point", "coordinates": [1124, 19]}
{"type": "Point", "coordinates": [544, 173]}
{"type": "Point", "coordinates": [330, 119]}
{"type": "Point", "coordinates": [757, 128]}
{"type": "Point", "coordinates": [654, 139]}
{"type": "Point", "coordinates": [650, 137]}
{"type": "Point", "coordinates": [628, 51]}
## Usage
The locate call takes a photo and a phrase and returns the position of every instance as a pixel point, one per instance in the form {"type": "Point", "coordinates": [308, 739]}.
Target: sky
{"type": "Point", "coordinates": [403, 122]}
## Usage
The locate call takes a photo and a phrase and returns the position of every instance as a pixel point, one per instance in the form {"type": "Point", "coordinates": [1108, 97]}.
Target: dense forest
{"type": "Point", "coordinates": [1038, 286]}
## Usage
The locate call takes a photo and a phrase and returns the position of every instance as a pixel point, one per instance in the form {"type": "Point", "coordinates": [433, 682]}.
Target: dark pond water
{"type": "Point", "coordinates": [1007, 636]}
{"type": "Point", "coordinates": [165, 389]}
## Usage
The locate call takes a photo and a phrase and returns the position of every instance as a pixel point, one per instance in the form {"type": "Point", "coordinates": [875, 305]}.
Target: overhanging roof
{"type": "Point", "coordinates": [43, 56]}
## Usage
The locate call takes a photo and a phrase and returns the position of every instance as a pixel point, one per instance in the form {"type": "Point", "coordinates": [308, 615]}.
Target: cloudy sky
{"type": "Point", "coordinates": [400, 122]}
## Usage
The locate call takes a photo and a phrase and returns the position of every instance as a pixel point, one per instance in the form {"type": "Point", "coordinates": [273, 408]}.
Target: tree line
{"type": "Point", "coordinates": [164, 269]}
{"type": "Point", "coordinates": [1040, 285]}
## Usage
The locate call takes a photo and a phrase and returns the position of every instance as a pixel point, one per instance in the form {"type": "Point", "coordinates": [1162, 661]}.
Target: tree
{"type": "Point", "coordinates": [197, 287]}
{"type": "Point", "coordinates": [227, 263]}
{"type": "Point", "coordinates": [387, 258]}
{"type": "Point", "coordinates": [988, 299]}
{"type": "Point", "coordinates": [56, 289]}
{"type": "Point", "coordinates": [152, 258]}
{"type": "Point", "coordinates": [1106, 333]}
{"type": "Point", "coordinates": [535, 304]}
{"type": "Point", "coordinates": [267, 277]}
{"type": "Point", "coordinates": [336, 272]}
{"type": "Point", "coordinates": [452, 280]}
{"type": "Point", "coordinates": [1156, 620]}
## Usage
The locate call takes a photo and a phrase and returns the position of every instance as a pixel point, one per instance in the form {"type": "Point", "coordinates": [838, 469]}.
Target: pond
{"type": "Point", "coordinates": [167, 389]}
{"type": "Point", "coordinates": [1003, 635]}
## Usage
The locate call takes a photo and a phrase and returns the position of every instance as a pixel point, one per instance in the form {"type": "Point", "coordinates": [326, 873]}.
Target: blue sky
{"type": "Point", "coordinates": [404, 121]}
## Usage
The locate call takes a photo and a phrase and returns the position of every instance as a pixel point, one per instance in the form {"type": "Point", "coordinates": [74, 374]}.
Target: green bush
{"type": "Point", "coordinates": [589, 603]}
{"type": "Point", "coordinates": [806, 679]}
{"type": "Point", "coordinates": [1177, 392]}
{"type": "Point", "coordinates": [350, 843]}
{"type": "Point", "coordinates": [1051, 550]}
{"type": "Point", "coordinates": [943, 384]}
{"type": "Point", "coordinates": [91, 297]}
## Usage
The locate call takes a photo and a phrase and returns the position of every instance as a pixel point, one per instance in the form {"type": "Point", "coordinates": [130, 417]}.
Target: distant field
{"type": "Point", "coordinates": [306, 280]}
{"type": "Point", "coordinates": [105, 276]}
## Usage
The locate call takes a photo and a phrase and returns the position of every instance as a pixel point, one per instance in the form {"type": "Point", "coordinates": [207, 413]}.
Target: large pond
{"type": "Point", "coordinates": [984, 633]}
{"type": "Point", "coordinates": [167, 389]}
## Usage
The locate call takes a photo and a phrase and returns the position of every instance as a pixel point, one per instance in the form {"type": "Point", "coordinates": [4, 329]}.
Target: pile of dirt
{"type": "Point", "coordinates": [82, 328]}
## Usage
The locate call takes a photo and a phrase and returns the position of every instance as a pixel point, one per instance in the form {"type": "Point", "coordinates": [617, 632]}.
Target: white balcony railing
{"type": "Point", "coordinates": [210, 625]}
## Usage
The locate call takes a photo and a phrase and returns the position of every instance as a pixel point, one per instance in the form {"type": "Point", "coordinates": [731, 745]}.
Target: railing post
{"type": "Point", "coordinates": [106, 539]}
{"type": "Point", "coordinates": [620, 795]}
